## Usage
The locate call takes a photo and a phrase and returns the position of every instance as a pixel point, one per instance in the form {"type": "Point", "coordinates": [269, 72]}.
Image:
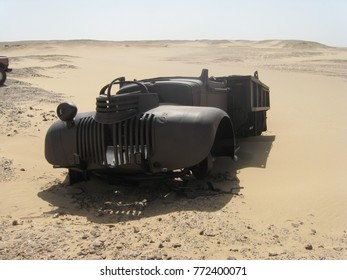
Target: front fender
{"type": "Point", "coordinates": [60, 142]}
{"type": "Point", "coordinates": [186, 135]}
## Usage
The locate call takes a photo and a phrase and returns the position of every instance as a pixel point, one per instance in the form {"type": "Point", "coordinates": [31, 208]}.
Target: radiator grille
{"type": "Point", "coordinates": [125, 142]}
{"type": "Point", "coordinates": [91, 140]}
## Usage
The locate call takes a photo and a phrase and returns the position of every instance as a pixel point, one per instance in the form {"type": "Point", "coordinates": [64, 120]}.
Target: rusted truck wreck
{"type": "Point", "coordinates": [158, 127]}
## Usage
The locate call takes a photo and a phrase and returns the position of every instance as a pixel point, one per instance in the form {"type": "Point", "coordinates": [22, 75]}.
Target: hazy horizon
{"type": "Point", "coordinates": [168, 40]}
{"type": "Point", "coordinates": [153, 20]}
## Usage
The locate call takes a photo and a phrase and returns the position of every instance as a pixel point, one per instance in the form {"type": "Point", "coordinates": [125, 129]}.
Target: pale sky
{"type": "Point", "coordinates": [322, 21]}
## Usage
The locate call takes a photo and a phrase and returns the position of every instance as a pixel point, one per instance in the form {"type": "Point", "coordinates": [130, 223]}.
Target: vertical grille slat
{"type": "Point", "coordinates": [100, 143]}
{"type": "Point", "coordinates": [136, 132]}
{"type": "Point", "coordinates": [142, 141]}
{"type": "Point", "coordinates": [115, 149]}
{"type": "Point", "coordinates": [126, 141]}
{"type": "Point", "coordinates": [84, 144]}
{"type": "Point", "coordinates": [79, 138]}
{"type": "Point", "coordinates": [95, 143]}
{"type": "Point", "coordinates": [131, 140]}
{"type": "Point", "coordinates": [89, 139]}
{"type": "Point", "coordinates": [121, 143]}
{"type": "Point", "coordinates": [103, 148]}
{"type": "Point", "coordinates": [149, 133]}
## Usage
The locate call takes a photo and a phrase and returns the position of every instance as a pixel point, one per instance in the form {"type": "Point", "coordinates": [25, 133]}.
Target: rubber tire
{"type": "Point", "coordinates": [203, 169]}
{"type": "Point", "coordinates": [77, 176]}
{"type": "Point", "coordinates": [2, 76]}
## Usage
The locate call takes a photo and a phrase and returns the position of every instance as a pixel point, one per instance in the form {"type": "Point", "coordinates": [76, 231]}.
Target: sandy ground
{"type": "Point", "coordinates": [289, 196]}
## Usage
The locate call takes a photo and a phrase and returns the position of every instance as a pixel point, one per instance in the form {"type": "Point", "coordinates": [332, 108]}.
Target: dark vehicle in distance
{"type": "Point", "coordinates": [158, 127]}
{"type": "Point", "coordinates": [4, 67]}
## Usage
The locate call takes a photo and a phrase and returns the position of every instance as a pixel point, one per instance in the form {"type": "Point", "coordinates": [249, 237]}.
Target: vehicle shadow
{"type": "Point", "coordinates": [254, 151]}
{"type": "Point", "coordinates": [103, 203]}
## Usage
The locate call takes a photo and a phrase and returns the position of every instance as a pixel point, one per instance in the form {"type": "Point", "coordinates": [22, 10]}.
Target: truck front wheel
{"type": "Point", "coordinates": [203, 169]}
{"type": "Point", "coordinates": [2, 76]}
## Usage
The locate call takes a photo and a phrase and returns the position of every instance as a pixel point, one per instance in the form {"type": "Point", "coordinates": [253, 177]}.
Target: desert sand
{"type": "Point", "coordinates": [290, 195]}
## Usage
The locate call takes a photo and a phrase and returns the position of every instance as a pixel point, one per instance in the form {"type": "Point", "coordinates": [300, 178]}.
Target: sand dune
{"type": "Point", "coordinates": [289, 191]}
